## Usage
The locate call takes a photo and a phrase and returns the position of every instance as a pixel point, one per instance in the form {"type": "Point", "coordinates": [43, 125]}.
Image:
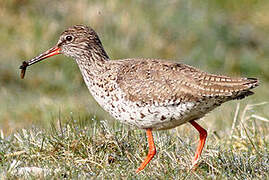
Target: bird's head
{"type": "Point", "coordinates": [77, 42]}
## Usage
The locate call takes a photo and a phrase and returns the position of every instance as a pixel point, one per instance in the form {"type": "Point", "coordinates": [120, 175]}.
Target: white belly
{"type": "Point", "coordinates": [156, 116]}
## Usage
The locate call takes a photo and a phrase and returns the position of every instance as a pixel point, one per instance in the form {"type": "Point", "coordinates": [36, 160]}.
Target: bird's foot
{"type": "Point", "coordinates": [194, 165]}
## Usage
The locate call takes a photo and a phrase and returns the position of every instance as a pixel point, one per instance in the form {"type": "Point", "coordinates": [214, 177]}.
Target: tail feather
{"type": "Point", "coordinates": [249, 83]}
{"type": "Point", "coordinates": [242, 95]}
{"type": "Point", "coordinates": [252, 82]}
{"type": "Point", "coordinates": [229, 87]}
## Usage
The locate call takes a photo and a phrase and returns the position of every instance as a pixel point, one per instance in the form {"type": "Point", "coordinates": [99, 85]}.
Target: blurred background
{"type": "Point", "coordinates": [223, 37]}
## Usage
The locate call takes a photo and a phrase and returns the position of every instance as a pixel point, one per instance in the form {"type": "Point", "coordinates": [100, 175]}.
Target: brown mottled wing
{"type": "Point", "coordinates": [156, 81]}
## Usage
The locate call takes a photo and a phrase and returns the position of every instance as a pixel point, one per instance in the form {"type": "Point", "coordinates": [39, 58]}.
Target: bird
{"type": "Point", "coordinates": [149, 94]}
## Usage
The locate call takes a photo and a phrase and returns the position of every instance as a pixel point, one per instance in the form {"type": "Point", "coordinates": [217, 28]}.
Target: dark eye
{"type": "Point", "coordinates": [69, 38]}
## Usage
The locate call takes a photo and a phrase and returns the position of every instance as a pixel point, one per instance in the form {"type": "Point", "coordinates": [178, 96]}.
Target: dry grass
{"type": "Point", "coordinates": [81, 148]}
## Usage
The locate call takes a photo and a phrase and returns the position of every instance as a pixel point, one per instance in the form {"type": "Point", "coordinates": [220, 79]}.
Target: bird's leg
{"type": "Point", "coordinates": [151, 152]}
{"type": "Point", "coordinates": [203, 135]}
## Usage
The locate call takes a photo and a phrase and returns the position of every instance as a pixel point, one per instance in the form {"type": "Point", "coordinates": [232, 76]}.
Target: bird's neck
{"type": "Point", "coordinates": [92, 63]}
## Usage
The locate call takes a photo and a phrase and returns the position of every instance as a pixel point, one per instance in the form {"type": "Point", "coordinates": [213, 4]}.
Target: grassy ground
{"type": "Point", "coordinates": [84, 148]}
{"type": "Point", "coordinates": [224, 37]}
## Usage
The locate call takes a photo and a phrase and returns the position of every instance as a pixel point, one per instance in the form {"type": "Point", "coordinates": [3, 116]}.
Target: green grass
{"type": "Point", "coordinates": [76, 147]}
{"type": "Point", "coordinates": [223, 37]}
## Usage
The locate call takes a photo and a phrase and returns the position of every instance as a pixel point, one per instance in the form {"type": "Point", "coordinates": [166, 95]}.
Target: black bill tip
{"type": "Point", "coordinates": [23, 68]}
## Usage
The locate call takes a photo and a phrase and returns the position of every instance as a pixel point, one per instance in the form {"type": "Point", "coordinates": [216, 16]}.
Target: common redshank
{"type": "Point", "coordinates": [150, 94]}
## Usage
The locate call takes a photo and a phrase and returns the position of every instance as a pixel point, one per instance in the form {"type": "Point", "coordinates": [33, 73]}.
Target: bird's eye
{"type": "Point", "coordinates": [69, 38]}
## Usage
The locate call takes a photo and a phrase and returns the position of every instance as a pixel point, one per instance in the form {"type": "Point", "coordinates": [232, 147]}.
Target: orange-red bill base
{"type": "Point", "coordinates": [51, 52]}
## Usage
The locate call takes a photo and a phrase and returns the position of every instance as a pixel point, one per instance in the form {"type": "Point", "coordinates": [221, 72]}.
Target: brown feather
{"type": "Point", "coordinates": [151, 81]}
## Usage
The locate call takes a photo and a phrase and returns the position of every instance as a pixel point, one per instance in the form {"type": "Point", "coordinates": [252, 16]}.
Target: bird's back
{"type": "Point", "coordinates": [157, 81]}
{"type": "Point", "coordinates": [157, 94]}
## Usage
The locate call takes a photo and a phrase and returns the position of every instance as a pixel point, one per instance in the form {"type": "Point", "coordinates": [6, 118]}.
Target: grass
{"type": "Point", "coordinates": [223, 37]}
{"type": "Point", "coordinates": [81, 148]}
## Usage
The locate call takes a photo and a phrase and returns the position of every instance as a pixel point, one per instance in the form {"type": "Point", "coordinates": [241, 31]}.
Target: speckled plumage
{"type": "Point", "coordinates": [150, 94]}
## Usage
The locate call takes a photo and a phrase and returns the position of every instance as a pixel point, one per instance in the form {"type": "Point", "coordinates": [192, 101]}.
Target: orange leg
{"type": "Point", "coordinates": [203, 135]}
{"type": "Point", "coordinates": [151, 153]}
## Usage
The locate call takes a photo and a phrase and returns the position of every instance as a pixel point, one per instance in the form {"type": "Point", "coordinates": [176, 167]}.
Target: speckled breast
{"type": "Point", "coordinates": [156, 116]}
{"type": "Point", "coordinates": [145, 115]}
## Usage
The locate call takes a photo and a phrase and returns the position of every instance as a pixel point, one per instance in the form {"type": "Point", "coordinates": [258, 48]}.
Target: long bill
{"type": "Point", "coordinates": [51, 52]}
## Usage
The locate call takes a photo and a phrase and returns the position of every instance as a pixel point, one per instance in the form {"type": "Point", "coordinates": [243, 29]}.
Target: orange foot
{"type": "Point", "coordinates": [203, 135]}
{"type": "Point", "coordinates": [151, 153]}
